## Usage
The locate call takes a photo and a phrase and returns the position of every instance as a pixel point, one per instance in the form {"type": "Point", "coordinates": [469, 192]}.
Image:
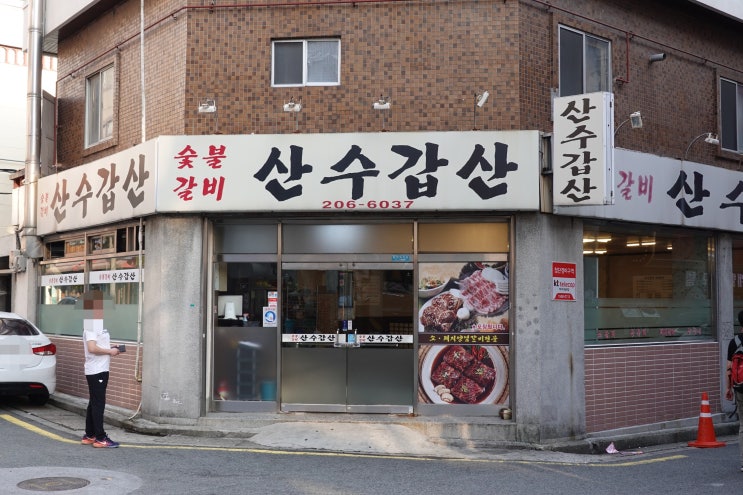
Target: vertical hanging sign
{"type": "Point", "coordinates": [563, 281]}
{"type": "Point", "coordinates": [583, 150]}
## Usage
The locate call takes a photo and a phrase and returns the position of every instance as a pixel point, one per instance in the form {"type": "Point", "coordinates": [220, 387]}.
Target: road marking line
{"type": "Point", "coordinates": [35, 429]}
{"type": "Point", "coordinates": [54, 436]}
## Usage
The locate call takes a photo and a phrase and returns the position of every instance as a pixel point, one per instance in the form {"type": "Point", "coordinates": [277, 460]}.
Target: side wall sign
{"type": "Point", "coordinates": [583, 143]}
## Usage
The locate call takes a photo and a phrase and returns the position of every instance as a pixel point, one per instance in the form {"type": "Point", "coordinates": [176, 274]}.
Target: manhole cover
{"type": "Point", "coordinates": [56, 484]}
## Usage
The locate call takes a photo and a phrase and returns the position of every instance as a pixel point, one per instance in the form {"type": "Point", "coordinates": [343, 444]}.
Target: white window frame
{"type": "Point", "coordinates": [305, 63]}
{"type": "Point", "coordinates": [606, 83]}
{"type": "Point", "coordinates": [99, 104]}
{"type": "Point", "coordinates": [731, 115]}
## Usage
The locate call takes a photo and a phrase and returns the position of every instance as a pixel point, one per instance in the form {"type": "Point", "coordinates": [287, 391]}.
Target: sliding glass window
{"type": "Point", "coordinates": [647, 285]}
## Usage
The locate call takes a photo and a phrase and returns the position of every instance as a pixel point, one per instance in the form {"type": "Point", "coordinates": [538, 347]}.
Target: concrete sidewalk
{"type": "Point", "coordinates": [360, 434]}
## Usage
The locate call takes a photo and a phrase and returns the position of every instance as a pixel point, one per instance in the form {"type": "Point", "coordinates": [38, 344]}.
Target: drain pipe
{"type": "Point", "coordinates": [140, 303]}
{"type": "Point", "coordinates": [141, 70]}
{"type": "Point", "coordinates": [140, 237]}
{"type": "Point", "coordinates": [32, 245]}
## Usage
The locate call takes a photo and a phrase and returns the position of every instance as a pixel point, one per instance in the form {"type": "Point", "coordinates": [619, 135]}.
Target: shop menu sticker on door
{"type": "Point", "coordinates": [463, 333]}
{"type": "Point", "coordinates": [270, 318]}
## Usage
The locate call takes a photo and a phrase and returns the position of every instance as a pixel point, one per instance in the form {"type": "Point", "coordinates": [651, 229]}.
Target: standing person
{"type": "Point", "coordinates": [729, 392]}
{"type": "Point", "coordinates": [98, 352]}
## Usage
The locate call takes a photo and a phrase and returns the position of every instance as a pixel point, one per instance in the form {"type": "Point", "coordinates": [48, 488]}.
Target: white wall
{"type": "Point", "coordinates": [14, 91]}
{"type": "Point", "coordinates": [11, 24]}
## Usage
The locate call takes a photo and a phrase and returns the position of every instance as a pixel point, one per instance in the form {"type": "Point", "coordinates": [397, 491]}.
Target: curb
{"type": "Point", "coordinates": [598, 445]}
{"type": "Point", "coordinates": [591, 445]}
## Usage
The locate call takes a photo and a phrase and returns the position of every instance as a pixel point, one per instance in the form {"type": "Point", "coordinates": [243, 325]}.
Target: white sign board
{"type": "Point", "coordinates": [62, 279]}
{"type": "Point", "coordinates": [366, 339]}
{"type": "Point", "coordinates": [364, 172]}
{"type": "Point", "coordinates": [661, 190]}
{"type": "Point", "coordinates": [583, 141]}
{"type": "Point", "coordinates": [111, 276]}
{"type": "Point", "coordinates": [118, 187]}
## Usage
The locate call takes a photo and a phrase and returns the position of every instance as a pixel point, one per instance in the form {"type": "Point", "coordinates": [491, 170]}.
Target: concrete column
{"type": "Point", "coordinates": [548, 390]}
{"type": "Point", "coordinates": [725, 317]}
{"type": "Point", "coordinates": [173, 318]}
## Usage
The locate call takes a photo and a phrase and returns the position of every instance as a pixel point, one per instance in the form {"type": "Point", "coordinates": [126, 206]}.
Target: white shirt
{"type": "Point", "coordinates": [96, 363]}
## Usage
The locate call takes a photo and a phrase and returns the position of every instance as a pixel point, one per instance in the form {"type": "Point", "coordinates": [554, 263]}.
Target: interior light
{"type": "Point", "coordinates": [594, 251]}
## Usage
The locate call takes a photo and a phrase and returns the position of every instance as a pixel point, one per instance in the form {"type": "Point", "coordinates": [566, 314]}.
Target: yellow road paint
{"type": "Point", "coordinates": [35, 429]}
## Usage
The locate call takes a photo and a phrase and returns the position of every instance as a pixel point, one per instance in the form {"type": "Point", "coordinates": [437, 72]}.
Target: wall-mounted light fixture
{"type": "Point", "coordinates": [207, 105]}
{"type": "Point", "coordinates": [635, 120]}
{"type": "Point", "coordinates": [657, 57]}
{"type": "Point", "coordinates": [709, 138]}
{"type": "Point", "coordinates": [480, 100]}
{"type": "Point", "coordinates": [294, 107]}
{"type": "Point", "coordinates": [383, 103]}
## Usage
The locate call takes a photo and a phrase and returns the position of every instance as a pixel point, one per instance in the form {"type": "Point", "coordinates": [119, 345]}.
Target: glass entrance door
{"type": "Point", "coordinates": [347, 337]}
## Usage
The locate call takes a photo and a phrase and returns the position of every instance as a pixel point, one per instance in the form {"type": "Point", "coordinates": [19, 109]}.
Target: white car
{"type": "Point", "coordinates": [28, 361]}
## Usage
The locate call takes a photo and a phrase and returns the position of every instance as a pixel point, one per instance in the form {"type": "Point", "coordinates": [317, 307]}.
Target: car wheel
{"type": "Point", "coordinates": [38, 399]}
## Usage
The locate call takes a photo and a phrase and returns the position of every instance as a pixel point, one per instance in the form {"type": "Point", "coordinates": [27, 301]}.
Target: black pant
{"type": "Point", "coordinates": [96, 404]}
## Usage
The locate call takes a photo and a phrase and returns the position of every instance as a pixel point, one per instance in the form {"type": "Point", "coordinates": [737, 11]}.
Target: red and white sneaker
{"type": "Point", "coordinates": [87, 440]}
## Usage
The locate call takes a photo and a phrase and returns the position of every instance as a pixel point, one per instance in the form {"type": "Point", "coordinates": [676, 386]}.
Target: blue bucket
{"type": "Point", "coordinates": [268, 390]}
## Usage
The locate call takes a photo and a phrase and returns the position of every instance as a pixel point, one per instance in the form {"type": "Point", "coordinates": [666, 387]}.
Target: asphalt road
{"type": "Point", "coordinates": [42, 458]}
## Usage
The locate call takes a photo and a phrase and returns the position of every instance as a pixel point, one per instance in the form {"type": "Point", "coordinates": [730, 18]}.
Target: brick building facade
{"type": "Point", "coordinates": [432, 59]}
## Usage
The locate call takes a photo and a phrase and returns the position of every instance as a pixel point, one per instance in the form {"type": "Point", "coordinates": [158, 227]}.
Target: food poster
{"type": "Point", "coordinates": [463, 333]}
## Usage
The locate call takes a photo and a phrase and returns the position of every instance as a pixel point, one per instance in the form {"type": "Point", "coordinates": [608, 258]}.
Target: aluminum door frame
{"type": "Point", "coordinates": [321, 368]}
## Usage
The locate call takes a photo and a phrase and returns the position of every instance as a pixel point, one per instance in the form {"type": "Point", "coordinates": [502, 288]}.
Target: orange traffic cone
{"type": "Point", "coordinates": [706, 432]}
